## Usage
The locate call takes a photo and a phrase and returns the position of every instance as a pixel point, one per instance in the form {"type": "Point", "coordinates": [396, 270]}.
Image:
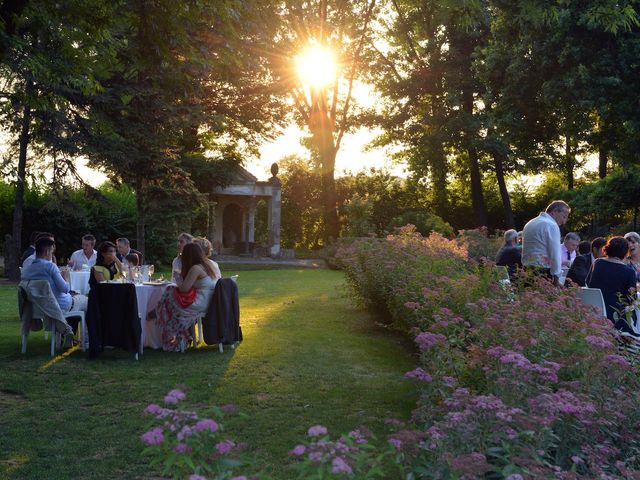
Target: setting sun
{"type": "Point", "coordinates": [316, 67]}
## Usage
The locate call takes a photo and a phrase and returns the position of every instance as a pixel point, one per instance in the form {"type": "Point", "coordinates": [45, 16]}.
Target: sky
{"type": "Point", "coordinates": [352, 156]}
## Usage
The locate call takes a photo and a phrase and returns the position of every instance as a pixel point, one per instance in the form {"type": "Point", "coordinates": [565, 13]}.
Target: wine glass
{"type": "Point", "coordinates": [151, 270]}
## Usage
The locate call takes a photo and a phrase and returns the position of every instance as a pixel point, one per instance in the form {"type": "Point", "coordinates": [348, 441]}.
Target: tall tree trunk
{"type": "Point", "coordinates": [477, 197]}
{"type": "Point", "coordinates": [498, 160]}
{"type": "Point", "coordinates": [330, 207]}
{"type": "Point", "coordinates": [570, 161]}
{"type": "Point", "coordinates": [13, 272]}
{"type": "Point", "coordinates": [439, 179]}
{"type": "Point", "coordinates": [603, 154]}
{"type": "Point", "coordinates": [140, 206]}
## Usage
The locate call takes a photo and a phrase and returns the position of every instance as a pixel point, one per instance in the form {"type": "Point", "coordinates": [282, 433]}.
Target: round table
{"type": "Point", "coordinates": [79, 281]}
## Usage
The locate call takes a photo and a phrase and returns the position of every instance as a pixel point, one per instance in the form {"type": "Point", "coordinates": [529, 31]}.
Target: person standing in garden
{"type": "Point", "coordinates": [541, 241]}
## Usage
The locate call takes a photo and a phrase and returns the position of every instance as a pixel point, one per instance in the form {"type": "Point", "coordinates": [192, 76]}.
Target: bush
{"type": "Point", "coordinates": [512, 384]}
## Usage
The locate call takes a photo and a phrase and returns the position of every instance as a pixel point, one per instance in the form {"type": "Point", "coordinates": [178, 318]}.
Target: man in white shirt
{"type": "Point", "coordinates": [541, 240]}
{"type": "Point", "coordinates": [569, 248]}
{"type": "Point", "coordinates": [85, 256]}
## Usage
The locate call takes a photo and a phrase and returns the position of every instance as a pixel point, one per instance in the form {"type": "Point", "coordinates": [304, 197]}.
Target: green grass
{"type": "Point", "coordinates": [309, 357]}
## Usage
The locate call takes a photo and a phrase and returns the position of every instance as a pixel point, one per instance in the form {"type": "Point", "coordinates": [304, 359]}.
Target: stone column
{"type": "Point", "coordinates": [275, 204]}
{"type": "Point", "coordinates": [251, 220]}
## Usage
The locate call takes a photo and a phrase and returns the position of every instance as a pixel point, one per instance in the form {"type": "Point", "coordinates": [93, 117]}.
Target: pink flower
{"type": "Point", "coordinates": [338, 466]}
{"type": "Point", "coordinates": [427, 340]}
{"type": "Point", "coordinates": [577, 460]}
{"type": "Point", "coordinates": [155, 436]}
{"type": "Point", "coordinates": [174, 396]}
{"type": "Point", "coordinates": [225, 446]}
{"type": "Point", "coordinates": [419, 374]}
{"type": "Point", "coordinates": [196, 477]}
{"type": "Point", "coordinates": [229, 408]}
{"type": "Point", "coordinates": [153, 408]}
{"type": "Point", "coordinates": [182, 448]}
{"type": "Point", "coordinates": [514, 476]}
{"type": "Point", "coordinates": [241, 477]}
{"type": "Point", "coordinates": [397, 444]}
{"type": "Point", "coordinates": [599, 342]}
{"type": "Point", "coordinates": [206, 424]}
{"type": "Point", "coordinates": [317, 430]}
{"type": "Point", "coordinates": [297, 450]}
{"type": "Point", "coordinates": [618, 360]}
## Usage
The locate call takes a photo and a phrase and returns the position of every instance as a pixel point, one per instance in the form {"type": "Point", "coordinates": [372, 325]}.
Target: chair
{"type": "Point", "coordinates": [200, 338]}
{"type": "Point", "coordinates": [221, 323]}
{"type": "Point", "coordinates": [593, 296]}
{"type": "Point", "coordinates": [36, 301]}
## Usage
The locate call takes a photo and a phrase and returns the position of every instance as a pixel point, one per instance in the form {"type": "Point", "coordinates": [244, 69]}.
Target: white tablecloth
{"type": "Point", "coordinates": [148, 297]}
{"type": "Point", "coordinates": [79, 281]}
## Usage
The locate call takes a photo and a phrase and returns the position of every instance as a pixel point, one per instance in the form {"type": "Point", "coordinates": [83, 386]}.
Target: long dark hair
{"type": "Point", "coordinates": [104, 246]}
{"type": "Point", "coordinates": [192, 255]}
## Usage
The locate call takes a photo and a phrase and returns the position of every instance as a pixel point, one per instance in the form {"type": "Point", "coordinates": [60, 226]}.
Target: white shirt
{"type": "Point", "coordinates": [78, 259]}
{"type": "Point", "coordinates": [541, 244]}
{"type": "Point", "coordinates": [566, 255]}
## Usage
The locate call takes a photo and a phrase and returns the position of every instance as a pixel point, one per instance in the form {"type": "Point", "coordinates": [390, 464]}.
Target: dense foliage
{"type": "Point", "coordinates": [514, 384]}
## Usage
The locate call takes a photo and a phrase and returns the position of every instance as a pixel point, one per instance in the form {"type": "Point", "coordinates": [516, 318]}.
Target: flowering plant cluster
{"type": "Point", "coordinates": [351, 456]}
{"type": "Point", "coordinates": [523, 384]}
{"type": "Point", "coordinates": [190, 445]}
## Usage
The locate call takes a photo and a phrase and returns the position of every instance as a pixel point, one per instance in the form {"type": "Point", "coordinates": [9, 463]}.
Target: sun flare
{"type": "Point", "coordinates": [316, 67]}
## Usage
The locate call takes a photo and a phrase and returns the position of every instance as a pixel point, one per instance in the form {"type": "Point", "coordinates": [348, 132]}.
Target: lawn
{"type": "Point", "coordinates": [310, 356]}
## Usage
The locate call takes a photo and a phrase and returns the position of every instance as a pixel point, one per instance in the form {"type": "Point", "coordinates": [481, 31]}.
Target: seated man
{"type": "Point", "coordinates": [85, 256]}
{"type": "Point", "coordinates": [124, 248]}
{"type": "Point", "coordinates": [510, 254]}
{"type": "Point", "coordinates": [31, 249]}
{"type": "Point", "coordinates": [43, 268]}
{"type": "Point", "coordinates": [29, 260]}
{"type": "Point", "coordinates": [569, 248]}
{"type": "Point", "coordinates": [582, 264]}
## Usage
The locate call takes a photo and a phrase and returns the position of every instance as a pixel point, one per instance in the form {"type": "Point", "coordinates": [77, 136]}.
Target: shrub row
{"type": "Point", "coordinates": [525, 384]}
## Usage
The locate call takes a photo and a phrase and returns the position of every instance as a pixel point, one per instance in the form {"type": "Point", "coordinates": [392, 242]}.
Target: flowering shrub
{"type": "Point", "coordinates": [514, 385]}
{"type": "Point", "coordinates": [190, 445]}
{"type": "Point", "coordinates": [351, 456]}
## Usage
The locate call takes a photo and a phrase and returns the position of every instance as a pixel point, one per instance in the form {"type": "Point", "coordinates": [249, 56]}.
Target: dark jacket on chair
{"type": "Point", "coordinates": [580, 269]}
{"type": "Point", "coordinates": [221, 324]}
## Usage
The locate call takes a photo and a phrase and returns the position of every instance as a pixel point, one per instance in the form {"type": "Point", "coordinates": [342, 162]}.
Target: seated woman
{"type": "Point", "coordinates": [616, 280]}
{"type": "Point", "coordinates": [633, 259]}
{"type": "Point", "coordinates": [181, 306]}
{"type": "Point", "coordinates": [107, 266]}
{"type": "Point", "coordinates": [206, 247]}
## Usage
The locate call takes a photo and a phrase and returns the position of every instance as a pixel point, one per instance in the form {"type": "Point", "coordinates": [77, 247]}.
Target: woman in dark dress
{"type": "Point", "coordinates": [615, 279]}
{"type": "Point", "coordinates": [107, 266]}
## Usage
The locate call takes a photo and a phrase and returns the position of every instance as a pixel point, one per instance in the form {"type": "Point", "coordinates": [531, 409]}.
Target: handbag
{"type": "Point", "coordinates": [185, 299]}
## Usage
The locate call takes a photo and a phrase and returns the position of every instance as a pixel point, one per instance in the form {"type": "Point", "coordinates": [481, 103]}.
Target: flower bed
{"type": "Point", "coordinates": [524, 386]}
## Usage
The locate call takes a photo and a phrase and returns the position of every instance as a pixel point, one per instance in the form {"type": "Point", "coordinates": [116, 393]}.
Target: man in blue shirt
{"type": "Point", "coordinates": [43, 268]}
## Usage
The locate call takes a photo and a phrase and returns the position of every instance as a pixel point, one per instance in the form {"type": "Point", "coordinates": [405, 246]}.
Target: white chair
{"type": "Point", "coordinates": [593, 296]}
{"type": "Point", "coordinates": [50, 323]}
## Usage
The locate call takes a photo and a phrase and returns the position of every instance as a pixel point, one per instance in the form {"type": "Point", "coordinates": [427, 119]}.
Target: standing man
{"type": "Point", "coordinates": [569, 248]}
{"type": "Point", "coordinates": [86, 255]}
{"type": "Point", "coordinates": [124, 249]}
{"type": "Point", "coordinates": [541, 241]}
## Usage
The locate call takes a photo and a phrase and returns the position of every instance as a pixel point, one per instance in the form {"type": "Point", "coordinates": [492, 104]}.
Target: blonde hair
{"type": "Point", "coordinates": [204, 244]}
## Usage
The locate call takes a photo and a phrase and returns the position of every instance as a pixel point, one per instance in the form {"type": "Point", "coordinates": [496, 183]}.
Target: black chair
{"type": "Point", "coordinates": [221, 324]}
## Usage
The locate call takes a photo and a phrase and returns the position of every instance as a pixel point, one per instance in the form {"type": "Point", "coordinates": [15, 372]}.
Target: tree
{"type": "Point", "coordinates": [49, 57]}
{"type": "Point", "coordinates": [187, 90]}
{"type": "Point", "coordinates": [326, 109]}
